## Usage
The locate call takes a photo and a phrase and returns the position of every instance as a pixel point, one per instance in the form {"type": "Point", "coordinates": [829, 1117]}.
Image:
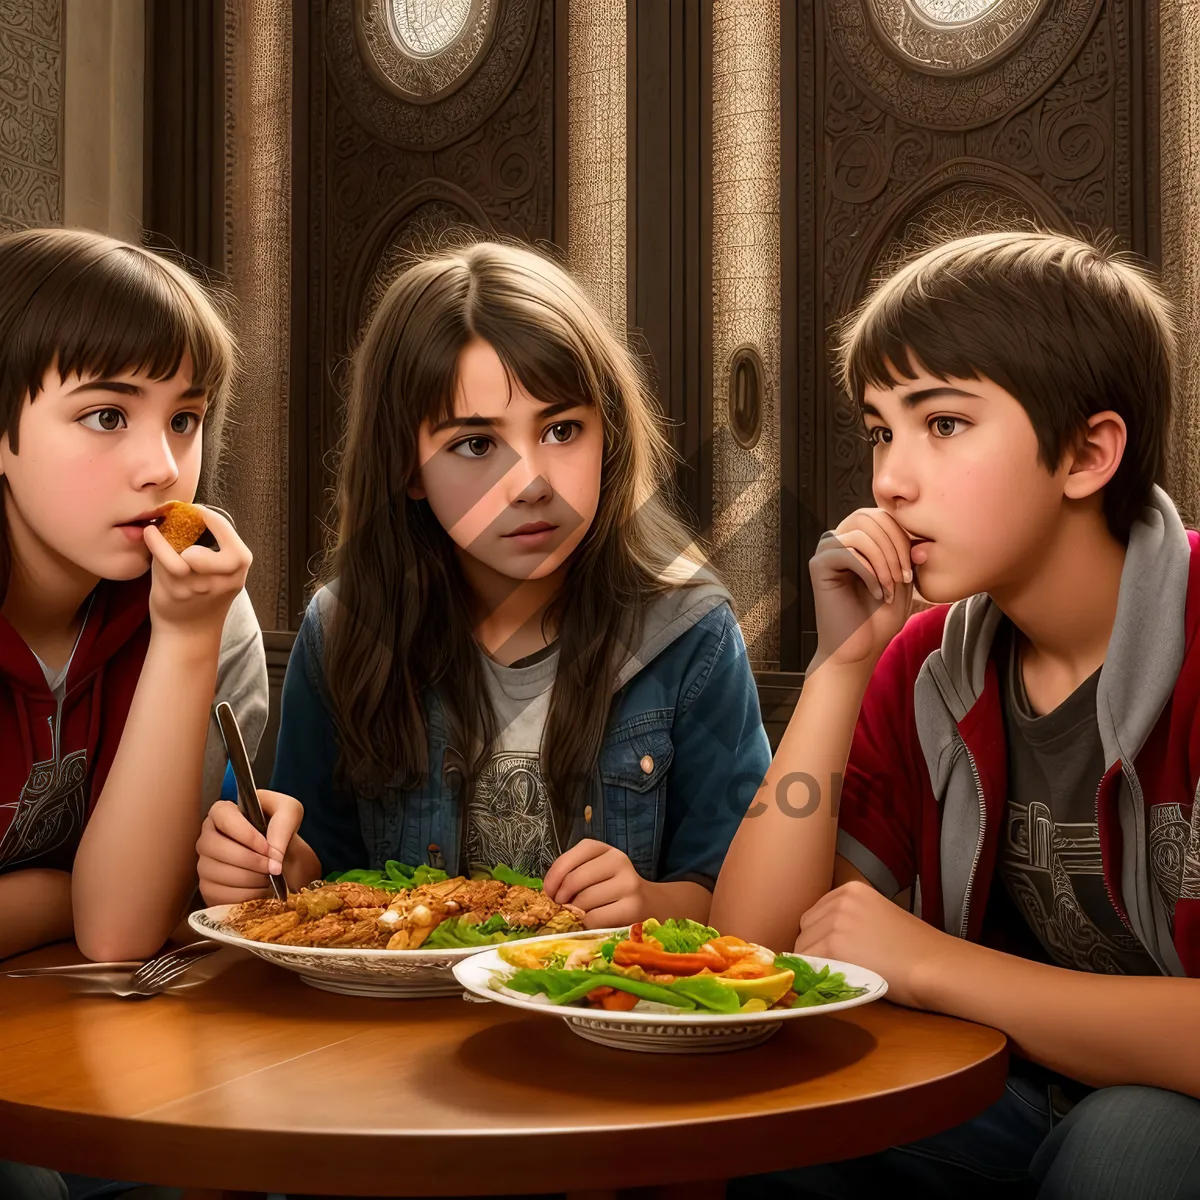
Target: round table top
{"type": "Point", "coordinates": [255, 1081]}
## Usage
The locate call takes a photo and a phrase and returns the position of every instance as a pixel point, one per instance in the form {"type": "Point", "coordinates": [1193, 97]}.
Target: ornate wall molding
{"type": "Point", "coordinates": [31, 113]}
{"type": "Point", "coordinates": [420, 218]}
{"type": "Point", "coordinates": [875, 64]}
{"type": "Point", "coordinates": [414, 73]}
{"type": "Point", "coordinates": [257, 244]}
{"type": "Point", "coordinates": [597, 235]}
{"type": "Point", "coordinates": [959, 195]}
{"type": "Point", "coordinates": [746, 287]}
{"type": "Point", "coordinates": [435, 119]}
{"type": "Point", "coordinates": [954, 37]}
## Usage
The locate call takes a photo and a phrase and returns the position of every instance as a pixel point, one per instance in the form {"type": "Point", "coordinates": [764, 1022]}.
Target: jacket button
{"type": "Point", "coordinates": [647, 763]}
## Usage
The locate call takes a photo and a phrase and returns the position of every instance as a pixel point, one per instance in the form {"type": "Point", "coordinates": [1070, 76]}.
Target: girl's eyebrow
{"type": "Point", "coordinates": [550, 410]}
{"type": "Point", "coordinates": [128, 389]}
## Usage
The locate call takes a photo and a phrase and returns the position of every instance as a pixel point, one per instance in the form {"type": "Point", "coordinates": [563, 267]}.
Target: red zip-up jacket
{"type": "Point", "coordinates": [926, 784]}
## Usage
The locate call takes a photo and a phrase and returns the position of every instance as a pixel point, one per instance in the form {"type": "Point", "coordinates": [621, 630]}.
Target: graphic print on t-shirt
{"type": "Point", "coordinates": [510, 818]}
{"type": "Point", "coordinates": [1043, 863]}
{"type": "Point", "coordinates": [49, 812]}
{"type": "Point", "coordinates": [1049, 857]}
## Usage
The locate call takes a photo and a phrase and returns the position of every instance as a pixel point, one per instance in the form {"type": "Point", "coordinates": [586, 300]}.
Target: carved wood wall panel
{"type": "Point", "coordinates": [1058, 126]}
{"type": "Point", "coordinates": [378, 174]}
{"type": "Point", "coordinates": [31, 113]}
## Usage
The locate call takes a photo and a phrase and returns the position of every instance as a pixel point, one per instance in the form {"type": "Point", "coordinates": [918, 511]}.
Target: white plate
{"type": "Point", "coordinates": [651, 1027]}
{"type": "Point", "coordinates": [355, 972]}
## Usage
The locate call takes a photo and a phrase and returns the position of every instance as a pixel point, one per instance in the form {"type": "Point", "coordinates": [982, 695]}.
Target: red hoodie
{"type": "Point", "coordinates": [53, 764]}
{"type": "Point", "coordinates": [926, 784]}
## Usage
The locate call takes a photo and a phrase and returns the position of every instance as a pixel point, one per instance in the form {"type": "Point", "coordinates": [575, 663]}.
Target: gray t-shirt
{"type": "Point", "coordinates": [1049, 857]}
{"type": "Point", "coordinates": [509, 816]}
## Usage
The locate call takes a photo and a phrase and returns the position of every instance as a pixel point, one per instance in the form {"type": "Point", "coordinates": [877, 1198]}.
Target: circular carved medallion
{"type": "Point", "coordinates": [420, 49]}
{"type": "Point", "coordinates": [407, 92]}
{"type": "Point", "coordinates": [957, 64]}
{"type": "Point", "coordinates": [951, 37]}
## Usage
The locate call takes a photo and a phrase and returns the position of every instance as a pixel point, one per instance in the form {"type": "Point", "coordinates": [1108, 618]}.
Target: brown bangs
{"type": "Point", "coordinates": [83, 304]}
{"type": "Point", "coordinates": [1067, 328]}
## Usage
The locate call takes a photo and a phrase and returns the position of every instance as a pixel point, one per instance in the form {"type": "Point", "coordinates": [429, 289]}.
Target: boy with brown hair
{"type": "Point", "coordinates": [1021, 760]}
{"type": "Point", "coordinates": [115, 374]}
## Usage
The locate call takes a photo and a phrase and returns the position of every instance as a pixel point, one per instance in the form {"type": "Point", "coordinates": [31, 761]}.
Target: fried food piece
{"type": "Point", "coordinates": [530, 909]}
{"type": "Point", "coordinates": [182, 525]}
{"type": "Point", "coordinates": [251, 912]}
{"type": "Point", "coordinates": [408, 927]}
{"type": "Point", "coordinates": [480, 897]}
{"type": "Point", "coordinates": [320, 901]}
{"type": "Point", "coordinates": [349, 928]}
{"type": "Point", "coordinates": [568, 919]}
{"type": "Point", "coordinates": [272, 928]}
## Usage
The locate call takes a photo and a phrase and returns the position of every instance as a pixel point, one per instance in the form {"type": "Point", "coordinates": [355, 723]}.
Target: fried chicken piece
{"type": "Point", "coordinates": [182, 525]}
{"type": "Point", "coordinates": [408, 927]}
{"type": "Point", "coordinates": [272, 928]}
{"type": "Point", "coordinates": [348, 928]}
{"type": "Point", "coordinates": [529, 909]}
{"type": "Point", "coordinates": [480, 897]}
{"type": "Point", "coordinates": [335, 896]}
{"type": "Point", "coordinates": [568, 919]}
{"type": "Point", "coordinates": [252, 910]}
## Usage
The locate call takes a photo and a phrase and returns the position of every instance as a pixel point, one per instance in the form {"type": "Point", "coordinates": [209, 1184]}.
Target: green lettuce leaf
{"type": "Point", "coordinates": [507, 875]}
{"type": "Point", "coordinates": [610, 947]}
{"type": "Point", "coordinates": [567, 987]}
{"type": "Point", "coordinates": [816, 987]}
{"type": "Point", "coordinates": [395, 876]}
{"type": "Point", "coordinates": [454, 933]}
{"type": "Point", "coordinates": [679, 937]}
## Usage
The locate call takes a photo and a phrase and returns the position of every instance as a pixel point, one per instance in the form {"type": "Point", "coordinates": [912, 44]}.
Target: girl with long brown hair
{"type": "Point", "coordinates": [519, 655]}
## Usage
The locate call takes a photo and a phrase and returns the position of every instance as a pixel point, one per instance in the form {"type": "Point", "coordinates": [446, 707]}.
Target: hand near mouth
{"type": "Point", "coordinates": [191, 590]}
{"type": "Point", "coordinates": [862, 577]}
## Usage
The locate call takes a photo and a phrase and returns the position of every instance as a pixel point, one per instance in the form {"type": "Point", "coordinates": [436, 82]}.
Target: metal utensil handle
{"type": "Point", "coordinates": [248, 801]}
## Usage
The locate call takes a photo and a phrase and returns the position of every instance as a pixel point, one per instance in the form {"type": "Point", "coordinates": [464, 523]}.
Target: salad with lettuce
{"type": "Point", "coordinates": [678, 964]}
{"type": "Point", "coordinates": [397, 877]}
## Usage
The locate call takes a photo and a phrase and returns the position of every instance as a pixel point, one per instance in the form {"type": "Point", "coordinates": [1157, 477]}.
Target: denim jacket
{"type": "Point", "coordinates": [683, 755]}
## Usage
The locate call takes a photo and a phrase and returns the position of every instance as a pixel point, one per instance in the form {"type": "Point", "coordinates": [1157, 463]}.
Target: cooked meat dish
{"type": "Point", "coordinates": [355, 915]}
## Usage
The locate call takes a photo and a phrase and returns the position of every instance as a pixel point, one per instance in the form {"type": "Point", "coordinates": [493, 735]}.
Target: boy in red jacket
{"type": "Point", "coordinates": [1018, 764]}
{"type": "Point", "coordinates": [115, 372]}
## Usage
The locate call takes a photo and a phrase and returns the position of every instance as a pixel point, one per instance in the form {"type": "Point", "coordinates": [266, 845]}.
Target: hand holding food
{"type": "Point", "coordinates": [235, 859]}
{"type": "Point", "coordinates": [181, 525]}
{"type": "Point", "coordinates": [862, 581]}
{"type": "Point", "coordinates": [192, 589]}
{"type": "Point", "coordinates": [600, 880]}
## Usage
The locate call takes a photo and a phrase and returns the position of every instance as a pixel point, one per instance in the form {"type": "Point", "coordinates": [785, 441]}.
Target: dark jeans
{"type": "Point", "coordinates": [1116, 1143]}
{"type": "Point", "coordinates": [19, 1182]}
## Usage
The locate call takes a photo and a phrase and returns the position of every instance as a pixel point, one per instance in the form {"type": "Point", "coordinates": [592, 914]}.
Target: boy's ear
{"type": "Point", "coordinates": [1096, 455]}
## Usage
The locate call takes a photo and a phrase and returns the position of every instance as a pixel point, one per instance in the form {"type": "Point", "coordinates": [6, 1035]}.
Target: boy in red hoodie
{"type": "Point", "coordinates": [1018, 764]}
{"type": "Point", "coordinates": [114, 370]}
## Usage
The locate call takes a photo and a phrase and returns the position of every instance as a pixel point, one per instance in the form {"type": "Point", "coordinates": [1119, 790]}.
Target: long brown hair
{"type": "Point", "coordinates": [401, 623]}
{"type": "Point", "coordinates": [83, 303]}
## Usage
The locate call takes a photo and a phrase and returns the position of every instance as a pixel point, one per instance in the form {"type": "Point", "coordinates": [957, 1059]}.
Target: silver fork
{"type": "Point", "coordinates": [132, 980]}
{"type": "Point", "coordinates": [156, 974]}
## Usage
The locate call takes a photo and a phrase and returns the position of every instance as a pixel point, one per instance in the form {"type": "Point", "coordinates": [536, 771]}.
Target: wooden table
{"type": "Point", "coordinates": [255, 1081]}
